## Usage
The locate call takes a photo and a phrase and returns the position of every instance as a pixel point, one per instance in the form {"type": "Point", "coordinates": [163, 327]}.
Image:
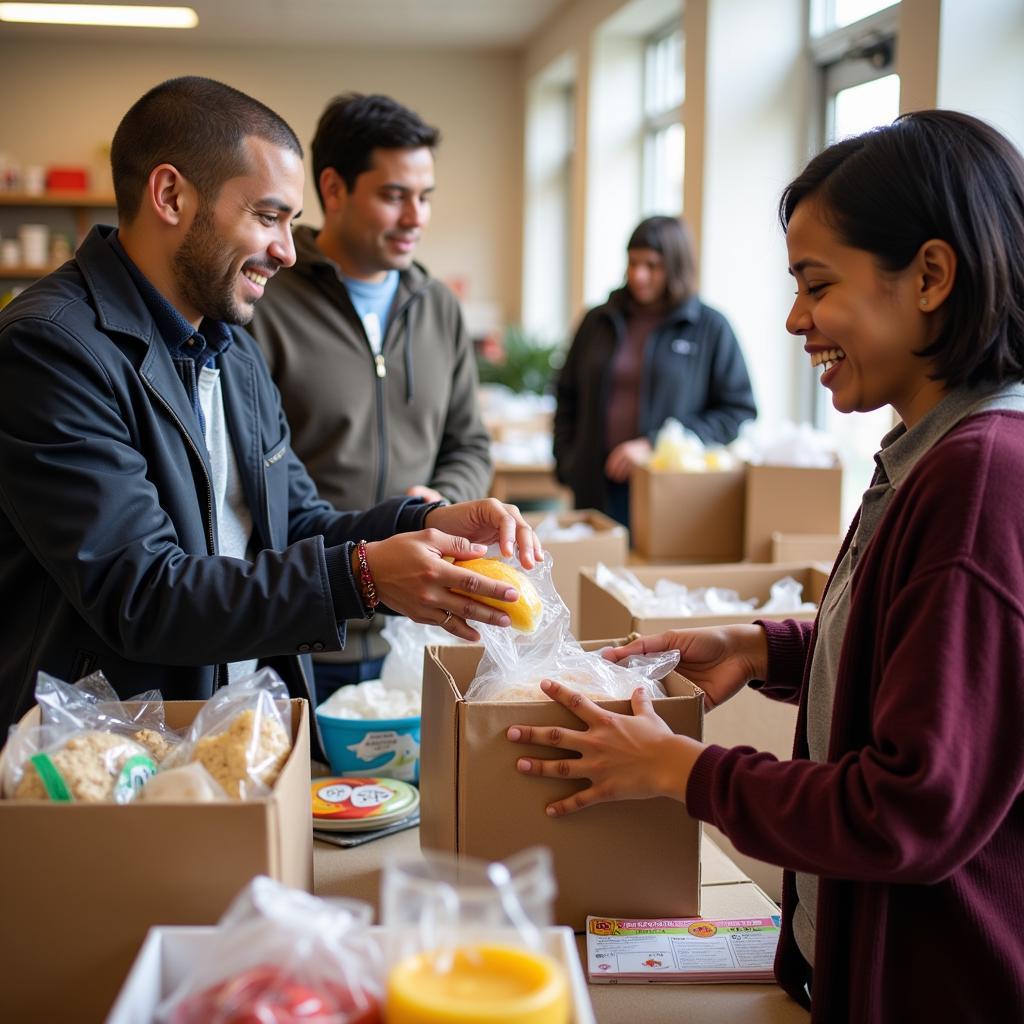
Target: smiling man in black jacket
{"type": "Point", "coordinates": [154, 520]}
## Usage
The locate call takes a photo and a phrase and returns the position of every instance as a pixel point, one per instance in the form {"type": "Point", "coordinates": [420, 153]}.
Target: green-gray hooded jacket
{"type": "Point", "coordinates": [369, 429]}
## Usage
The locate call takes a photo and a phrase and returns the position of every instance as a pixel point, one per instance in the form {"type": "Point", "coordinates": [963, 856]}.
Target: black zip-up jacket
{"type": "Point", "coordinates": [106, 518]}
{"type": "Point", "coordinates": [693, 371]}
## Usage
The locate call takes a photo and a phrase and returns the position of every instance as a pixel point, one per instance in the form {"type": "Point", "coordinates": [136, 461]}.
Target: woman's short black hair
{"type": "Point", "coordinates": [199, 126]}
{"type": "Point", "coordinates": [936, 174]}
{"type": "Point", "coordinates": [354, 125]}
{"type": "Point", "coordinates": [669, 237]}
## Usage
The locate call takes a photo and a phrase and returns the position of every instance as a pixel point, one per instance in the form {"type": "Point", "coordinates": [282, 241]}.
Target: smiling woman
{"type": "Point", "coordinates": [867, 326]}
{"type": "Point", "coordinates": [899, 819]}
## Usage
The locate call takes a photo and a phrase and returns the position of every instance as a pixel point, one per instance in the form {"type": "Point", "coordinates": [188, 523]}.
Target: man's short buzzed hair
{"type": "Point", "coordinates": [354, 125]}
{"type": "Point", "coordinates": [197, 125]}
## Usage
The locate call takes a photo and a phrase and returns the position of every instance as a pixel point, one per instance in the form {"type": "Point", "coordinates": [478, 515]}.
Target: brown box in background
{"type": "Point", "coordinates": [609, 544]}
{"type": "Point", "coordinates": [806, 547]}
{"type": "Point", "coordinates": [604, 614]}
{"type": "Point", "coordinates": [626, 859]}
{"type": "Point", "coordinates": [789, 499]}
{"type": "Point", "coordinates": [83, 883]}
{"type": "Point", "coordinates": [694, 517]}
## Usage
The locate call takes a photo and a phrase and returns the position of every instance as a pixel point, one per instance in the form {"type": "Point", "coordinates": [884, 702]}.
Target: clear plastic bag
{"type": "Point", "coordinates": [514, 663]}
{"type": "Point", "coordinates": [668, 598]}
{"type": "Point", "coordinates": [94, 701]}
{"type": "Point", "coordinates": [284, 956]}
{"type": "Point", "coordinates": [460, 920]}
{"type": "Point", "coordinates": [242, 735]}
{"type": "Point", "coordinates": [88, 747]}
{"type": "Point", "coordinates": [677, 449]}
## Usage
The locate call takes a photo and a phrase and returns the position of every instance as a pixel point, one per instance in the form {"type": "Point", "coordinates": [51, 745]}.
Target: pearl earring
{"type": "Point", "coordinates": [924, 303]}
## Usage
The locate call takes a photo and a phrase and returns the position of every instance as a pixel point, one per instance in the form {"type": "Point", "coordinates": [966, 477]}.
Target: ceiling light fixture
{"type": "Point", "coordinates": [100, 14]}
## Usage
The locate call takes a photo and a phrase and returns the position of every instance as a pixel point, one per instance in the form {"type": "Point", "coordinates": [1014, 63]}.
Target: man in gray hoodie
{"type": "Point", "coordinates": [375, 368]}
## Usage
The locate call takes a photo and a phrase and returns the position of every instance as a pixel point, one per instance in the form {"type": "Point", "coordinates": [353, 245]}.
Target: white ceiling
{"type": "Point", "coordinates": [491, 24]}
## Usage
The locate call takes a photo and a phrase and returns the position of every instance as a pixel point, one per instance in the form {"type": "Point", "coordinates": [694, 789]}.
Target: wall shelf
{"type": "Point", "coordinates": [78, 205]}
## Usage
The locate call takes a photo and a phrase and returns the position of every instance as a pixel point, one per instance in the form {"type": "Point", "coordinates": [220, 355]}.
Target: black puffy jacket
{"type": "Point", "coordinates": [693, 371]}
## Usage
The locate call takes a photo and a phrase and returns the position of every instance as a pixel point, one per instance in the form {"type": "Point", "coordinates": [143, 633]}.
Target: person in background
{"type": "Point", "coordinates": [900, 819]}
{"type": "Point", "coordinates": [652, 352]}
{"type": "Point", "coordinates": [375, 368]}
{"type": "Point", "coordinates": [154, 520]}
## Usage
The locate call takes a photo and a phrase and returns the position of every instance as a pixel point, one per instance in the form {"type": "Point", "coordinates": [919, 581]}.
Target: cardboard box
{"type": "Point", "coordinates": [806, 547]}
{"type": "Point", "coordinates": [83, 883]}
{"type": "Point", "coordinates": [169, 953]}
{"type": "Point", "coordinates": [609, 544]}
{"type": "Point", "coordinates": [604, 614]}
{"type": "Point", "coordinates": [637, 858]}
{"type": "Point", "coordinates": [789, 499]}
{"type": "Point", "coordinates": [695, 517]}
{"type": "Point", "coordinates": [752, 720]}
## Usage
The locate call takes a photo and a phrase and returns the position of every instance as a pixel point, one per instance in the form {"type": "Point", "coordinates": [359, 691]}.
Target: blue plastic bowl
{"type": "Point", "coordinates": [389, 747]}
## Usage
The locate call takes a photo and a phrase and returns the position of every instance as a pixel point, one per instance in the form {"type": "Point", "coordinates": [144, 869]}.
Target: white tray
{"type": "Point", "coordinates": [169, 952]}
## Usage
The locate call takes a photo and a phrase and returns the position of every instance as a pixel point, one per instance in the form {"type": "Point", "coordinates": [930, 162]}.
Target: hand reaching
{"type": "Point", "coordinates": [720, 661]}
{"type": "Point", "coordinates": [413, 578]}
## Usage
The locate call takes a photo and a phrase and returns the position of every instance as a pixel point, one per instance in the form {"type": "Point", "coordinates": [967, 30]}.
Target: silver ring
{"type": "Point", "coordinates": [447, 617]}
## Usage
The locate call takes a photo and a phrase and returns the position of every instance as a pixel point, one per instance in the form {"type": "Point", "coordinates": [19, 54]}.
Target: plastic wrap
{"type": "Point", "coordinates": [284, 956]}
{"type": "Point", "coordinates": [514, 663]}
{"type": "Point", "coordinates": [89, 746]}
{"type": "Point", "coordinates": [668, 598]}
{"type": "Point", "coordinates": [242, 735]}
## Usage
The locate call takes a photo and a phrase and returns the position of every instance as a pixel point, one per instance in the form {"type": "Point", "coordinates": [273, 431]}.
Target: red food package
{"type": "Point", "coordinates": [269, 995]}
{"type": "Point", "coordinates": [282, 956]}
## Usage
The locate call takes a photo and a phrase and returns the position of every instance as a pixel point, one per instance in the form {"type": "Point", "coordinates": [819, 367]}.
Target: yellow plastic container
{"type": "Point", "coordinates": [487, 984]}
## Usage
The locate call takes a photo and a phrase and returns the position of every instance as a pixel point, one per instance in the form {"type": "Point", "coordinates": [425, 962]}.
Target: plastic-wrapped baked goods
{"type": "Point", "coordinates": [253, 748]}
{"type": "Point", "coordinates": [526, 611]}
{"type": "Point", "coordinates": [92, 767]}
{"type": "Point", "coordinates": [157, 743]}
{"type": "Point", "coordinates": [241, 736]}
{"type": "Point", "coordinates": [514, 662]}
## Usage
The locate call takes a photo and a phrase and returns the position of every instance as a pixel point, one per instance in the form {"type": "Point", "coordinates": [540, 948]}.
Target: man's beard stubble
{"type": "Point", "coordinates": [202, 269]}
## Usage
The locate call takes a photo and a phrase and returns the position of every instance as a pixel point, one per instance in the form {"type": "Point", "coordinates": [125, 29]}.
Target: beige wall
{"type": "Point", "coordinates": [70, 98]}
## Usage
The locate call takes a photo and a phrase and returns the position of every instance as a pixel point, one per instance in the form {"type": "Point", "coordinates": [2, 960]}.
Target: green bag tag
{"type": "Point", "coordinates": [53, 782]}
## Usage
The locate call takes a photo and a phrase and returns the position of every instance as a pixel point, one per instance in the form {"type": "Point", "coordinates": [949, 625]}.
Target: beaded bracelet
{"type": "Point", "coordinates": [366, 584]}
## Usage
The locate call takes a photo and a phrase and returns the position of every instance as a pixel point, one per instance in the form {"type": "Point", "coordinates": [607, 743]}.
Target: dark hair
{"type": "Point", "coordinates": [670, 237]}
{"type": "Point", "coordinates": [196, 124]}
{"type": "Point", "coordinates": [354, 125]}
{"type": "Point", "coordinates": [936, 174]}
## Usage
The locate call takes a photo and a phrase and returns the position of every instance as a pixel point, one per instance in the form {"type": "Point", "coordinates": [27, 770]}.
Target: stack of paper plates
{"type": "Point", "coordinates": [357, 804]}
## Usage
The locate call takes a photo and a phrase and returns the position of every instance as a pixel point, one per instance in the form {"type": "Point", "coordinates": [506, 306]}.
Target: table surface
{"type": "Point", "coordinates": [725, 892]}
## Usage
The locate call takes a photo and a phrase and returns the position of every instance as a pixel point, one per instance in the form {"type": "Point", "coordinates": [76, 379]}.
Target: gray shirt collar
{"type": "Point", "coordinates": [902, 449]}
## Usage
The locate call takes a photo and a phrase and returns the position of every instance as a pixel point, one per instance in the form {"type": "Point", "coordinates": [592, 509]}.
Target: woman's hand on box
{"type": "Point", "coordinates": [720, 661]}
{"type": "Point", "coordinates": [625, 757]}
{"type": "Point", "coordinates": [412, 577]}
{"type": "Point", "coordinates": [490, 522]}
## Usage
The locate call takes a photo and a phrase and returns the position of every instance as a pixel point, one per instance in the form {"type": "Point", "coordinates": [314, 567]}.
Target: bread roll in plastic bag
{"type": "Point", "coordinates": [514, 663]}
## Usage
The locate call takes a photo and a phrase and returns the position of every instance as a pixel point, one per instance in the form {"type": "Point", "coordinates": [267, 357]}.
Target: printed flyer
{"type": "Point", "coordinates": [681, 950]}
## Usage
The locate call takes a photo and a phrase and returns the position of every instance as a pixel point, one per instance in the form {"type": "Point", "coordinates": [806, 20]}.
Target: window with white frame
{"type": "Point", "coordinates": [663, 128]}
{"type": "Point", "coordinates": [854, 46]}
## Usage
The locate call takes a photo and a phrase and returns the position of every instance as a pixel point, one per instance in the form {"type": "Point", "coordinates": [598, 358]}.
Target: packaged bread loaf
{"type": "Point", "coordinates": [88, 767]}
{"type": "Point", "coordinates": [241, 736]}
